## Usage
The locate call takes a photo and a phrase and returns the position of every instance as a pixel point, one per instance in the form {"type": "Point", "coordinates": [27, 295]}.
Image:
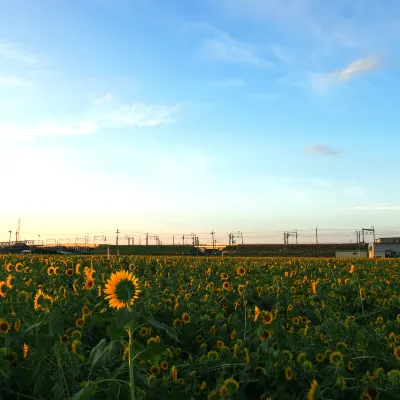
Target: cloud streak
{"type": "Point", "coordinates": [352, 71]}
{"type": "Point", "coordinates": [11, 52]}
{"type": "Point", "coordinates": [105, 113]}
{"type": "Point", "coordinates": [14, 81]}
{"type": "Point", "coordinates": [222, 47]}
{"type": "Point", "coordinates": [323, 150]}
{"type": "Point", "coordinates": [377, 208]}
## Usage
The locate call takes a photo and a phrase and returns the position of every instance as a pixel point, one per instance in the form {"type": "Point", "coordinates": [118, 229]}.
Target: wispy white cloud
{"type": "Point", "coordinates": [223, 47]}
{"type": "Point", "coordinates": [322, 150]}
{"type": "Point", "coordinates": [356, 69]}
{"type": "Point", "coordinates": [105, 113]}
{"type": "Point", "coordinates": [224, 83]}
{"type": "Point", "coordinates": [14, 81]}
{"type": "Point", "coordinates": [382, 207]}
{"type": "Point", "coordinates": [229, 50]}
{"type": "Point", "coordinates": [12, 52]}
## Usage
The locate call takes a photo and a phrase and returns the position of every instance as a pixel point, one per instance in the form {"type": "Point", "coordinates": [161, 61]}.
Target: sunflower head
{"type": "Point", "coordinates": [122, 289]}
{"type": "Point", "coordinates": [4, 326]}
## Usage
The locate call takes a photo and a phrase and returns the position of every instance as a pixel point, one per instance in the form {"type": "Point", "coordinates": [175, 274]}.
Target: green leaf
{"type": "Point", "coordinates": [97, 351]}
{"type": "Point", "coordinates": [58, 391]}
{"type": "Point", "coordinates": [171, 332]}
{"type": "Point", "coordinates": [116, 333]}
{"type": "Point", "coordinates": [153, 353]}
{"type": "Point", "coordinates": [33, 326]}
{"type": "Point", "coordinates": [85, 393]}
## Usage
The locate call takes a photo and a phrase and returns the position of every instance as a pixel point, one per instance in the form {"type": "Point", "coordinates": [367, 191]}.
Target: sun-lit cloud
{"type": "Point", "coordinates": [322, 150]}
{"type": "Point", "coordinates": [104, 113]}
{"type": "Point", "coordinates": [352, 71]}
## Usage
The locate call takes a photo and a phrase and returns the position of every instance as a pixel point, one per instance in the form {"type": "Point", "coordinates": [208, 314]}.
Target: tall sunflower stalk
{"type": "Point", "coordinates": [122, 290]}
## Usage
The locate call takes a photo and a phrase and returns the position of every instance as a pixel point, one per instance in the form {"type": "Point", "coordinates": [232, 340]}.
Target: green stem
{"type": "Point", "coordinates": [131, 377]}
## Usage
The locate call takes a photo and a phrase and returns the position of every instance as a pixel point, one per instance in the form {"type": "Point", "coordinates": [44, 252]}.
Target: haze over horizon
{"type": "Point", "coordinates": [169, 116]}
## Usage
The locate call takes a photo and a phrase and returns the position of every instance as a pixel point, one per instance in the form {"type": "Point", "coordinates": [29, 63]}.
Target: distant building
{"type": "Point", "coordinates": [351, 254]}
{"type": "Point", "coordinates": [388, 240]}
{"type": "Point", "coordinates": [384, 249]}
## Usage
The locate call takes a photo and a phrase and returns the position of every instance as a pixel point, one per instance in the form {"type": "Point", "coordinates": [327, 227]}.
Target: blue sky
{"type": "Point", "coordinates": [173, 116]}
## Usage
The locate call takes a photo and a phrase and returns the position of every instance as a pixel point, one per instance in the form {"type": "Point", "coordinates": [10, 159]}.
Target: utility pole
{"type": "Point", "coordinates": [147, 239]}
{"type": "Point", "coordinates": [316, 235]}
{"type": "Point", "coordinates": [9, 239]}
{"type": "Point", "coordinates": [116, 246]}
{"type": "Point", "coordinates": [213, 241]}
{"type": "Point", "coordinates": [183, 239]}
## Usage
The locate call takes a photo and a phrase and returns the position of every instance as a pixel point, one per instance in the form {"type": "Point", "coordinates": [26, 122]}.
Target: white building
{"type": "Point", "coordinates": [384, 250]}
{"type": "Point", "coordinates": [351, 254]}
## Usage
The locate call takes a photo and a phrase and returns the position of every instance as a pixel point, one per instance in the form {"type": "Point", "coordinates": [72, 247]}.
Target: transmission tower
{"type": "Point", "coordinates": [232, 237]}
{"type": "Point", "coordinates": [286, 236]}
{"type": "Point", "coordinates": [17, 233]}
{"type": "Point", "coordinates": [370, 231]}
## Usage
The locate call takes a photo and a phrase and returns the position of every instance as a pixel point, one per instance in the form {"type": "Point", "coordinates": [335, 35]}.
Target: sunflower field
{"type": "Point", "coordinates": [135, 327]}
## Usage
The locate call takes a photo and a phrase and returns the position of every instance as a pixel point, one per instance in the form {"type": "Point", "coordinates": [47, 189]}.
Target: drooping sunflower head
{"type": "Point", "coordinates": [288, 374]}
{"type": "Point", "coordinates": [4, 326]}
{"type": "Point", "coordinates": [85, 311]}
{"type": "Point", "coordinates": [397, 353]}
{"type": "Point", "coordinates": [122, 289]}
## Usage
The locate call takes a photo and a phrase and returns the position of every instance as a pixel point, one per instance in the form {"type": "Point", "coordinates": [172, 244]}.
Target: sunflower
{"type": "Point", "coordinates": [212, 355]}
{"type": "Point", "coordinates": [76, 334]}
{"type": "Point", "coordinates": [240, 271]}
{"type": "Point", "coordinates": [295, 321]}
{"type": "Point", "coordinates": [89, 284]}
{"type": "Point", "coordinates": [199, 339]}
{"type": "Point", "coordinates": [233, 334]}
{"type": "Point", "coordinates": [164, 365]}
{"type": "Point", "coordinates": [185, 318]}
{"type": "Point", "coordinates": [122, 289]}
{"type": "Point", "coordinates": [85, 311]}
{"type": "Point", "coordinates": [256, 313]}
{"type": "Point", "coordinates": [174, 373]}
{"type": "Point", "coordinates": [398, 318]}
{"type": "Point", "coordinates": [266, 335]}
{"type": "Point", "coordinates": [177, 323]}
{"type": "Point", "coordinates": [226, 285]}
{"type": "Point", "coordinates": [290, 307]}
{"type": "Point", "coordinates": [220, 344]}
{"type": "Point", "coordinates": [4, 326]}
{"type": "Point", "coordinates": [288, 374]}
{"type": "Point", "coordinates": [267, 317]}
{"type": "Point", "coordinates": [350, 366]}
{"type": "Point", "coordinates": [79, 322]}
{"type": "Point", "coordinates": [25, 350]}
{"type": "Point", "coordinates": [64, 339]}
{"type": "Point", "coordinates": [224, 276]}
{"type": "Point", "coordinates": [17, 325]}
{"type": "Point", "coordinates": [336, 358]}
{"type": "Point", "coordinates": [69, 272]}
{"type": "Point", "coordinates": [51, 271]}
{"type": "Point", "coordinates": [397, 353]}
{"type": "Point", "coordinates": [19, 267]}
{"type": "Point", "coordinates": [2, 293]}
{"type": "Point", "coordinates": [143, 331]}
{"type": "Point", "coordinates": [313, 389]}
{"type": "Point", "coordinates": [38, 294]}
{"type": "Point", "coordinates": [8, 281]}
{"type": "Point", "coordinates": [155, 369]}
{"type": "Point", "coordinates": [232, 385]}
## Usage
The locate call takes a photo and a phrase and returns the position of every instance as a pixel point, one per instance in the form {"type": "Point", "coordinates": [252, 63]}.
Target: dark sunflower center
{"type": "Point", "coordinates": [125, 290]}
{"type": "Point", "coordinates": [3, 326]}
